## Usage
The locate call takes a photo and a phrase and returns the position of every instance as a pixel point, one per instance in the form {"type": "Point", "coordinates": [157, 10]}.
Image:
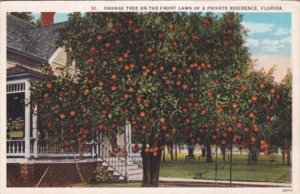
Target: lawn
{"type": "Point", "coordinates": [264, 170]}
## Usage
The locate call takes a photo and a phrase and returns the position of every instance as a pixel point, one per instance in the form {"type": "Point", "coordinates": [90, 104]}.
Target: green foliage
{"type": "Point", "coordinates": [174, 76]}
{"type": "Point", "coordinates": [101, 175]}
{"type": "Point", "coordinates": [26, 16]}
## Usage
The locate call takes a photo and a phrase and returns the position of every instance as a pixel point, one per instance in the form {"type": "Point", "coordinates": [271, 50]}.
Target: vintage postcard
{"type": "Point", "coordinates": [150, 96]}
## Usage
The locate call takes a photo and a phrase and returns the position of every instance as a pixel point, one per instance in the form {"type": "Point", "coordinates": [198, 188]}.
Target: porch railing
{"type": "Point", "coordinates": [136, 157]}
{"type": "Point", "coordinates": [113, 160]}
{"type": "Point", "coordinates": [52, 148]}
{"type": "Point", "coordinates": [16, 147]}
{"type": "Point", "coordinates": [45, 148]}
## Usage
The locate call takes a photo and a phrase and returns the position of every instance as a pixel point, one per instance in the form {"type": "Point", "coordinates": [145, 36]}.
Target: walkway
{"type": "Point", "coordinates": [181, 182]}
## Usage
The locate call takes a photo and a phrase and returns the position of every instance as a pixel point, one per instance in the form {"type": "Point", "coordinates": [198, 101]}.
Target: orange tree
{"type": "Point", "coordinates": [280, 125]}
{"type": "Point", "coordinates": [168, 74]}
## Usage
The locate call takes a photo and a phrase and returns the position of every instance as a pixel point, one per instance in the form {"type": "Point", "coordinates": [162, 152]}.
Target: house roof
{"type": "Point", "coordinates": [26, 39]}
{"type": "Point", "coordinates": [20, 71]}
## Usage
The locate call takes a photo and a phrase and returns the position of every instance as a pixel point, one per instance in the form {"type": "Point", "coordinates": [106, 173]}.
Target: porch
{"type": "Point", "coordinates": [27, 149]}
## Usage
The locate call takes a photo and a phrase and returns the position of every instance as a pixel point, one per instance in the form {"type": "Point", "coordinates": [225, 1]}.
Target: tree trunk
{"type": "Point", "coordinates": [170, 148]}
{"type": "Point", "coordinates": [191, 150]}
{"type": "Point", "coordinates": [164, 153]}
{"type": "Point", "coordinates": [249, 158]}
{"type": "Point", "coordinates": [288, 157]}
{"type": "Point", "coordinates": [176, 151]}
{"type": "Point", "coordinates": [208, 153]}
{"type": "Point", "coordinates": [151, 165]}
{"type": "Point", "coordinates": [283, 157]}
{"type": "Point", "coordinates": [203, 150]}
{"type": "Point", "coordinates": [223, 150]}
{"type": "Point", "coordinates": [253, 154]}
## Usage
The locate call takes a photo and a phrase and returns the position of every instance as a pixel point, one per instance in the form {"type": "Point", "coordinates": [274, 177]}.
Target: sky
{"type": "Point", "coordinates": [269, 39]}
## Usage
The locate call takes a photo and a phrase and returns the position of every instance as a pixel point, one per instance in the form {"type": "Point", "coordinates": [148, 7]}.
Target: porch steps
{"type": "Point", "coordinates": [135, 173]}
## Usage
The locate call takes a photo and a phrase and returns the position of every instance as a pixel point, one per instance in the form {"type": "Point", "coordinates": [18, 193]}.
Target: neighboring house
{"type": "Point", "coordinates": [41, 162]}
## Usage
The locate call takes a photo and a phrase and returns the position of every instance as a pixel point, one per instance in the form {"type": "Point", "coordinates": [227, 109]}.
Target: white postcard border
{"type": "Point", "coordinates": [99, 6]}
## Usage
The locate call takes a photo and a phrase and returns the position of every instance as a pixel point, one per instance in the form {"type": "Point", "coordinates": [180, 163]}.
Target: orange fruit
{"type": "Point", "coordinates": [46, 95]}
{"type": "Point", "coordinates": [131, 65]}
{"type": "Point", "coordinates": [113, 88]}
{"type": "Point", "coordinates": [229, 129]}
{"type": "Point", "coordinates": [251, 115]}
{"type": "Point", "coordinates": [126, 96]}
{"type": "Point", "coordinates": [125, 55]}
{"type": "Point", "coordinates": [185, 86]}
{"type": "Point", "coordinates": [105, 63]}
{"type": "Point", "coordinates": [162, 120]}
{"type": "Point", "coordinates": [107, 45]}
{"type": "Point", "coordinates": [262, 86]}
{"type": "Point", "coordinates": [239, 125]}
{"type": "Point", "coordinates": [234, 105]}
{"type": "Point", "coordinates": [225, 42]}
{"type": "Point", "coordinates": [126, 67]}
{"type": "Point", "coordinates": [173, 130]}
{"type": "Point", "coordinates": [62, 116]}
{"type": "Point", "coordinates": [101, 84]}
{"type": "Point", "coordinates": [136, 30]}
{"type": "Point", "coordinates": [149, 50]}
{"type": "Point", "coordinates": [92, 49]}
{"type": "Point", "coordinates": [72, 113]}
{"type": "Point", "coordinates": [217, 129]}
{"type": "Point", "coordinates": [49, 85]}
{"type": "Point", "coordinates": [174, 69]}
{"type": "Point", "coordinates": [142, 114]}
{"type": "Point", "coordinates": [255, 128]}
{"type": "Point", "coordinates": [187, 120]}
{"type": "Point", "coordinates": [254, 98]}
{"type": "Point", "coordinates": [272, 90]}
{"type": "Point", "coordinates": [223, 123]}
{"type": "Point", "coordinates": [233, 117]}
{"type": "Point", "coordinates": [86, 91]}
{"type": "Point", "coordinates": [99, 37]}
{"type": "Point", "coordinates": [203, 112]}
{"type": "Point", "coordinates": [113, 76]}
{"type": "Point", "coordinates": [209, 94]}
{"type": "Point", "coordinates": [120, 59]}
{"type": "Point", "coordinates": [178, 83]}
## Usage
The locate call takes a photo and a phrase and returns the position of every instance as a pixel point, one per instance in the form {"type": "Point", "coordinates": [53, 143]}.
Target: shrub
{"type": "Point", "coordinates": [101, 175]}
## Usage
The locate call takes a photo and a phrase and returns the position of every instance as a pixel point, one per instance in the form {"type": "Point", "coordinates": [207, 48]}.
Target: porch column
{"type": "Point", "coordinates": [27, 119]}
{"type": "Point", "coordinates": [126, 138]}
{"type": "Point", "coordinates": [127, 146]}
{"type": "Point", "coordinates": [34, 132]}
{"type": "Point", "coordinates": [129, 138]}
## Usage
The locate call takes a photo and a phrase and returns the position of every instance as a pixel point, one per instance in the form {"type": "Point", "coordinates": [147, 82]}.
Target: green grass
{"type": "Point", "coordinates": [264, 170]}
